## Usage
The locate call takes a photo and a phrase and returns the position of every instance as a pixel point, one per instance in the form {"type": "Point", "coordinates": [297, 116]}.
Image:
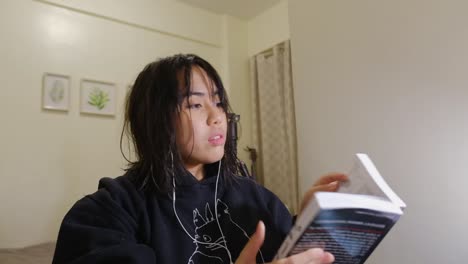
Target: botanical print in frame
{"type": "Point", "coordinates": [98, 97]}
{"type": "Point", "coordinates": [55, 92]}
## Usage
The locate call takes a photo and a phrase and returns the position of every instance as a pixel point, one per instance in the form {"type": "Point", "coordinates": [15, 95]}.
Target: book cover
{"type": "Point", "coordinates": [348, 225]}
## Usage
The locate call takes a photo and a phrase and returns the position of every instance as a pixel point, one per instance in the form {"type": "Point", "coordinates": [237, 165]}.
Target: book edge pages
{"type": "Point", "coordinates": [333, 201]}
{"type": "Point", "coordinates": [379, 180]}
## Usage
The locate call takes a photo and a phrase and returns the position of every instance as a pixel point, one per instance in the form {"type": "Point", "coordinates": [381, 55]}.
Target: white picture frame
{"type": "Point", "coordinates": [97, 97]}
{"type": "Point", "coordinates": [55, 92]}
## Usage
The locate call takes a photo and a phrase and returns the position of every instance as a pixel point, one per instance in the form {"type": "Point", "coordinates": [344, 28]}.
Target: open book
{"type": "Point", "coordinates": [349, 223]}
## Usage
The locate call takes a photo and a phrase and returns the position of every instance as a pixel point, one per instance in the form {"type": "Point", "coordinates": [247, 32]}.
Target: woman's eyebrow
{"type": "Point", "coordinates": [195, 93]}
{"type": "Point", "coordinates": [191, 93]}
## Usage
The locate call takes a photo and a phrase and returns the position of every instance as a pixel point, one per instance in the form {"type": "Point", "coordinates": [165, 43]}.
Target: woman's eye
{"type": "Point", "coordinates": [194, 106]}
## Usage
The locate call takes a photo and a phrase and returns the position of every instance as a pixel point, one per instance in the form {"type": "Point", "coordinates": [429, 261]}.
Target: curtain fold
{"type": "Point", "coordinates": [274, 126]}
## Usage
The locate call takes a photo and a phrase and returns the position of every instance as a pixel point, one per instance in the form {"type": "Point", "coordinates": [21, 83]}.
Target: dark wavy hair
{"type": "Point", "coordinates": [152, 105]}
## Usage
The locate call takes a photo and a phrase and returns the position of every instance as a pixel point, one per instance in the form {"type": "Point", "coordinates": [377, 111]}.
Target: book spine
{"type": "Point", "coordinates": [301, 225]}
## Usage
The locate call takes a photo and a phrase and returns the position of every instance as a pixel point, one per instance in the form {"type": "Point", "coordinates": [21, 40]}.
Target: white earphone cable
{"type": "Point", "coordinates": [180, 222]}
{"type": "Point", "coordinates": [216, 214]}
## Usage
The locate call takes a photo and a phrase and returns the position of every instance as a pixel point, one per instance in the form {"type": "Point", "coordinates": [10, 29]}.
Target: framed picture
{"type": "Point", "coordinates": [97, 97]}
{"type": "Point", "coordinates": [55, 92]}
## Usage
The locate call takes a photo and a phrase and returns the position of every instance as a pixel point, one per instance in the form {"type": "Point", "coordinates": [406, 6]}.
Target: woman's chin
{"type": "Point", "coordinates": [214, 158]}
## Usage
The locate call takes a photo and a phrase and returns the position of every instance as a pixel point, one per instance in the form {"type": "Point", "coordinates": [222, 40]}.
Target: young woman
{"type": "Point", "coordinates": [180, 201]}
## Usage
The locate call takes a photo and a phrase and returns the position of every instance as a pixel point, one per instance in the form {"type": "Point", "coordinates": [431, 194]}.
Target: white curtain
{"type": "Point", "coordinates": [274, 127]}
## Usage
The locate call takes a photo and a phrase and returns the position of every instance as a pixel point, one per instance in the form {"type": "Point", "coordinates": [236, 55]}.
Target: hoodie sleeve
{"type": "Point", "coordinates": [102, 228]}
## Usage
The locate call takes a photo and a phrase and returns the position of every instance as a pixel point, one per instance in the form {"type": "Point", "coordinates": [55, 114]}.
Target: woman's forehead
{"type": "Point", "coordinates": [200, 82]}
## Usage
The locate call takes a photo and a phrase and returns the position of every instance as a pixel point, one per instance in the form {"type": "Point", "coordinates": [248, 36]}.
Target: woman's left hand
{"type": "Point", "coordinates": [327, 183]}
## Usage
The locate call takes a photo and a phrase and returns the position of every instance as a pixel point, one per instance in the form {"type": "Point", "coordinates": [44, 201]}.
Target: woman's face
{"type": "Point", "coordinates": [201, 125]}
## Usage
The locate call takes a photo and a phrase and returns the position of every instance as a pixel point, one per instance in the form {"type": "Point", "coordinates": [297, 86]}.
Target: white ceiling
{"type": "Point", "coordinates": [245, 9]}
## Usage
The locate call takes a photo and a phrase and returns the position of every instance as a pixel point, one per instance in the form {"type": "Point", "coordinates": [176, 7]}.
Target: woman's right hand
{"type": "Point", "coordinates": [311, 256]}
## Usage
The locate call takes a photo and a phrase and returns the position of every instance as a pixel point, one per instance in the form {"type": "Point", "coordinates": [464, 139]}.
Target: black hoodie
{"type": "Point", "coordinates": [122, 224]}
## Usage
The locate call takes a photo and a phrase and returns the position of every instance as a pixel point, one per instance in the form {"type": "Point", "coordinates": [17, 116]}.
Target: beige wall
{"type": "Point", "coordinates": [237, 81]}
{"type": "Point", "coordinates": [268, 28]}
{"type": "Point", "coordinates": [48, 160]}
{"type": "Point", "coordinates": [244, 39]}
{"type": "Point", "coordinates": [168, 16]}
{"type": "Point", "coordinates": [389, 78]}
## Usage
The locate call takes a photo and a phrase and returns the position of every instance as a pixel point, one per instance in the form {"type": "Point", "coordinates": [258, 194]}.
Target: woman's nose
{"type": "Point", "coordinates": [215, 115]}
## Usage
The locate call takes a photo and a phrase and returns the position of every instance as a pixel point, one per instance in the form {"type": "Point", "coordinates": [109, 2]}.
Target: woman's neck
{"type": "Point", "coordinates": [198, 171]}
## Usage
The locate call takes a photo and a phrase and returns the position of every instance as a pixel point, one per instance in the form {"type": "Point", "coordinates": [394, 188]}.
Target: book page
{"type": "Point", "coordinates": [360, 182]}
{"type": "Point", "coordinates": [364, 178]}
